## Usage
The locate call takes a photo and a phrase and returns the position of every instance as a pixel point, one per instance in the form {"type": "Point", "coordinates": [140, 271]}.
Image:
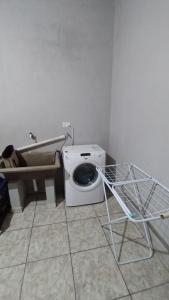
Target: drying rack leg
{"type": "Point", "coordinates": [120, 220]}
{"type": "Point", "coordinates": [109, 223]}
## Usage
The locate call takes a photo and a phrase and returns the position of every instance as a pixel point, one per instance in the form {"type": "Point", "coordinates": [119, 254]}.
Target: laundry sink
{"type": "Point", "coordinates": [32, 165]}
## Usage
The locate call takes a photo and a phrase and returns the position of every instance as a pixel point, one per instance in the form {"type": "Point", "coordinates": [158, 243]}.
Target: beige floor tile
{"type": "Point", "coordinates": [10, 282]}
{"type": "Point", "coordinates": [44, 203]}
{"type": "Point", "coordinates": [114, 207]}
{"type": "Point", "coordinates": [80, 212]}
{"type": "Point", "coordinates": [46, 215]}
{"type": "Point", "coordinates": [19, 220]}
{"type": "Point", "coordinates": [161, 249]}
{"type": "Point", "coordinates": [125, 298]}
{"type": "Point", "coordinates": [132, 249]}
{"type": "Point", "coordinates": [156, 293]}
{"type": "Point", "coordinates": [144, 274]}
{"type": "Point", "coordinates": [49, 279]}
{"type": "Point", "coordinates": [97, 276]}
{"type": "Point", "coordinates": [48, 241]}
{"type": "Point", "coordinates": [14, 247]}
{"type": "Point", "coordinates": [86, 234]}
{"type": "Point", "coordinates": [122, 232]}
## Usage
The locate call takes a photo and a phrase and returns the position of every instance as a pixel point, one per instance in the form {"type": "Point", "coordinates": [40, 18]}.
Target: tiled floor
{"type": "Point", "coordinates": [58, 253]}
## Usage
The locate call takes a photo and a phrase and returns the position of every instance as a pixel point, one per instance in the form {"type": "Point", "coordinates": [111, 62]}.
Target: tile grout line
{"type": "Point", "coordinates": [67, 222]}
{"type": "Point", "coordinates": [150, 288]}
{"type": "Point", "coordinates": [17, 229]}
{"type": "Point", "coordinates": [70, 255]}
{"type": "Point", "coordinates": [118, 298]}
{"type": "Point", "coordinates": [116, 262]}
{"type": "Point", "coordinates": [90, 249]}
{"type": "Point", "coordinates": [161, 261]}
{"type": "Point", "coordinates": [20, 295]}
{"type": "Point", "coordinates": [56, 256]}
{"type": "Point", "coordinates": [121, 298]}
{"type": "Point", "coordinates": [156, 252]}
{"type": "Point", "coordinates": [42, 225]}
{"type": "Point", "coordinates": [12, 266]}
{"type": "Point", "coordinates": [127, 238]}
{"type": "Point", "coordinates": [82, 219]}
{"type": "Point", "coordinates": [64, 221]}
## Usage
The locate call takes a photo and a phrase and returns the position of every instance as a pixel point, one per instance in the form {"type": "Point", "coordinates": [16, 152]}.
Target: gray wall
{"type": "Point", "coordinates": [139, 126]}
{"type": "Point", "coordinates": [55, 66]}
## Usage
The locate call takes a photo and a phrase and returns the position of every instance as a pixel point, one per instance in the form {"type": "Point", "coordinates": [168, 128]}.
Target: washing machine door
{"type": "Point", "coordinates": [85, 177]}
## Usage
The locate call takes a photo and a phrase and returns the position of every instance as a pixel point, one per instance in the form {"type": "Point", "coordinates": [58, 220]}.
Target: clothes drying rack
{"type": "Point", "coordinates": [141, 198]}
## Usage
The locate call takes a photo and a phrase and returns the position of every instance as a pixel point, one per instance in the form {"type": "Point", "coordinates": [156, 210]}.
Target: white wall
{"type": "Point", "coordinates": [139, 126]}
{"type": "Point", "coordinates": [55, 66]}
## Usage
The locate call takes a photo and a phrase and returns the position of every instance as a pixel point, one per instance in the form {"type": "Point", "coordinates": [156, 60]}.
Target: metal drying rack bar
{"type": "Point", "coordinates": [141, 197]}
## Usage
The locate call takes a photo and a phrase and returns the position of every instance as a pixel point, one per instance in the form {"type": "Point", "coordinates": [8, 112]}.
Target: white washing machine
{"type": "Point", "coordinates": [83, 184]}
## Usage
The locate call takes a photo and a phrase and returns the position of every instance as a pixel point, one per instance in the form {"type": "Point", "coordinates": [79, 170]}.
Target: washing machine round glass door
{"type": "Point", "coordinates": [85, 175]}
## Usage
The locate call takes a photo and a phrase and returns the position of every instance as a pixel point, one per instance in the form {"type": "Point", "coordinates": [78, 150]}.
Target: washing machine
{"type": "Point", "coordinates": [83, 184]}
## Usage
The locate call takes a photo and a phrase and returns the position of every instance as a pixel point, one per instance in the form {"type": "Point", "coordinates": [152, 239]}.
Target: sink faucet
{"type": "Point", "coordinates": [33, 137]}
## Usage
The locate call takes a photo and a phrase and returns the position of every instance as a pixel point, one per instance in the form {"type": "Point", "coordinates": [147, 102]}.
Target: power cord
{"type": "Point", "coordinates": [68, 135]}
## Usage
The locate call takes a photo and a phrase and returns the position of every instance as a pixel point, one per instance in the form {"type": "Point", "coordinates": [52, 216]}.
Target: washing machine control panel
{"type": "Point", "coordinates": [77, 154]}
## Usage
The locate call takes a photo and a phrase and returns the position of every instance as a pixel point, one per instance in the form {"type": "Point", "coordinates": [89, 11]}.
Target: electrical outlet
{"type": "Point", "coordinates": [66, 124]}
